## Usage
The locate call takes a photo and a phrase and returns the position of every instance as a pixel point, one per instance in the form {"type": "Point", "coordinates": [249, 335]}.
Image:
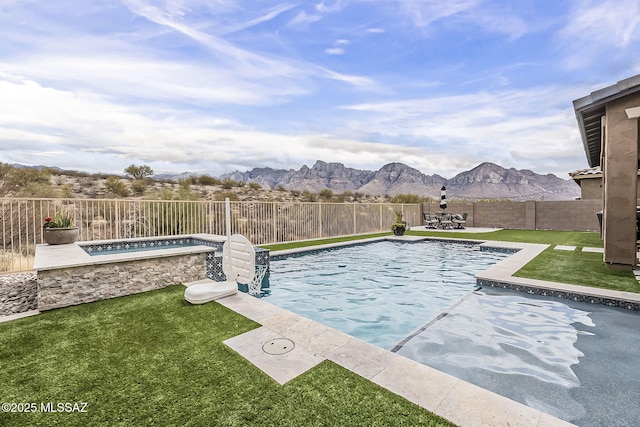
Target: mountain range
{"type": "Point", "coordinates": [485, 181]}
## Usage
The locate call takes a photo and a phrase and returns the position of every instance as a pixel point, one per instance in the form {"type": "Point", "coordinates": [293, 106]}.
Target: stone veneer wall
{"type": "Point", "coordinates": [18, 293]}
{"type": "Point", "coordinates": [76, 285]}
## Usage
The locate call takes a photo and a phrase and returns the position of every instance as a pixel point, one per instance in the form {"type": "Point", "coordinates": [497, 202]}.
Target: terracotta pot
{"type": "Point", "coordinates": [60, 236]}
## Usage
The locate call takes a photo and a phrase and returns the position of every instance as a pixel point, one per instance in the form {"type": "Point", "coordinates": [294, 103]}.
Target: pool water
{"type": "Point", "coordinates": [576, 361]}
{"type": "Point", "coordinates": [379, 292]}
{"type": "Point", "coordinates": [573, 360]}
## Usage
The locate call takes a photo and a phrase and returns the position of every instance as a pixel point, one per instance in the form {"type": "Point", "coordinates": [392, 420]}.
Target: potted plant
{"type": "Point", "coordinates": [399, 226]}
{"type": "Point", "coordinates": [59, 230]}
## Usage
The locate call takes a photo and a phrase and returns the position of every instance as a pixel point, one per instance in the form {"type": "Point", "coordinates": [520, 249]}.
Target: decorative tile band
{"type": "Point", "coordinates": [158, 243]}
{"type": "Point", "coordinates": [501, 250]}
{"type": "Point", "coordinates": [611, 302]}
{"type": "Point", "coordinates": [213, 264]}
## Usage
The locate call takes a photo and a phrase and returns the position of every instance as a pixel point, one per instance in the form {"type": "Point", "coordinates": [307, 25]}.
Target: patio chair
{"type": "Point", "coordinates": [429, 221]}
{"type": "Point", "coordinates": [460, 220]}
{"type": "Point", "coordinates": [445, 221]}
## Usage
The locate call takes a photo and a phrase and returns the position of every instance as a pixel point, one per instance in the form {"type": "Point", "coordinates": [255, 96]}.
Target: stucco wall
{"type": "Point", "coordinates": [591, 188]}
{"type": "Point", "coordinates": [620, 170]}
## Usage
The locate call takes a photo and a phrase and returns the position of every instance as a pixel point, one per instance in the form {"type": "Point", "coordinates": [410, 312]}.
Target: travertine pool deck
{"type": "Point", "coordinates": [458, 401]}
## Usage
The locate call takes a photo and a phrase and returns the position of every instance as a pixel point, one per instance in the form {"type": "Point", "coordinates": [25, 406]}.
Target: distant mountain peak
{"type": "Point", "coordinates": [485, 181]}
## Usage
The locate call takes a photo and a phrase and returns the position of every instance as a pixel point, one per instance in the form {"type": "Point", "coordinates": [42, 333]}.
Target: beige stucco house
{"type": "Point", "coordinates": [608, 122]}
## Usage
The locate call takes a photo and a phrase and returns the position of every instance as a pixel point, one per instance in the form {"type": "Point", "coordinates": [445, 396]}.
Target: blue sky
{"type": "Point", "coordinates": [213, 86]}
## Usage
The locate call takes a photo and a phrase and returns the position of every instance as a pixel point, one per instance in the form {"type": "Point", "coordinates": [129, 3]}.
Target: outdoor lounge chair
{"type": "Point", "coordinates": [429, 221]}
{"type": "Point", "coordinates": [460, 220]}
{"type": "Point", "coordinates": [238, 264]}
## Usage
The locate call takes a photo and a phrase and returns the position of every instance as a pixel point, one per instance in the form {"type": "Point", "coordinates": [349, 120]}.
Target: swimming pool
{"type": "Point", "coordinates": [572, 360]}
{"type": "Point", "coordinates": [379, 292]}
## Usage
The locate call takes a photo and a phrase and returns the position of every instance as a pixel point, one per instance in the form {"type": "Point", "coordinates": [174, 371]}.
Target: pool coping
{"type": "Point", "coordinates": [445, 395]}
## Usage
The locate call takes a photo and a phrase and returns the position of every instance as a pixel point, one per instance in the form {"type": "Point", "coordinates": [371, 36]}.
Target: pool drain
{"type": "Point", "coordinates": [278, 346]}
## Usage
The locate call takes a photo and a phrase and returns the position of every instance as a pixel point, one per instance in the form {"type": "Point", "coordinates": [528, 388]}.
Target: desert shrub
{"type": "Point", "coordinates": [139, 186]}
{"type": "Point", "coordinates": [229, 183]}
{"type": "Point", "coordinates": [406, 198]}
{"type": "Point", "coordinates": [254, 185]}
{"type": "Point", "coordinates": [185, 183]}
{"type": "Point", "coordinates": [326, 194]}
{"type": "Point", "coordinates": [37, 189]}
{"type": "Point", "coordinates": [308, 196]}
{"type": "Point", "coordinates": [221, 195]}
{"type": "Point", "coordinates": [75, 174]}
{"type": "Point", "coordinates": [208, 180]}
{"type": "Point", "coordinates": [116, 187]}
{"type": "Point", "coordinates": [5, 178]}
{"type": "Point", "coordinates": [66, 191]}
{"type": "Point", "coordinates": [170, 218]}
{"type": "Point", "coordinates": [139, 172]}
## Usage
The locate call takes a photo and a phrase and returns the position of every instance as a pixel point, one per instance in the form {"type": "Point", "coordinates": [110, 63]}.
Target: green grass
{"type": "Point", "coordinates": [153, 359]}
{"type": "Point", "coordinates": [578, 268]}
{"type": "Point", "coordinates": [550, 237]}
{"type": "Point", "coordinates": [573, 267]}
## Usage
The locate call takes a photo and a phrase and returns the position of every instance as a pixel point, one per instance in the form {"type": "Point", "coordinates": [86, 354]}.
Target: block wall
{"type": "Point", "coordinates": [579, 215]}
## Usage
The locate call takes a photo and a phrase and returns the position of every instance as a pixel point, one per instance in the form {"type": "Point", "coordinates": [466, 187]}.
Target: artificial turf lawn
{"type": "Point", "coordinates": [578, 268]}
{"type": "Point", "coordinates": [153, 359]}
{"type": "Point", "coordinates": [549, 237]}
{"type": "Point", "coordinates": [573, 267]}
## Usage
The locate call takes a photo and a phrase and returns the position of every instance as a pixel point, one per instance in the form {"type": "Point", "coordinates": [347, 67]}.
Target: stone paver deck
{"type": "Point", "coordinates": [564, 248]}
{"type": "Point", "coordinates": [460, 402]}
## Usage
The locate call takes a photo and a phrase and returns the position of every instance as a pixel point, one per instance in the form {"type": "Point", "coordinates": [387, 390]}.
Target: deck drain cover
{"type": "Point", "coordinates": [278, 346]}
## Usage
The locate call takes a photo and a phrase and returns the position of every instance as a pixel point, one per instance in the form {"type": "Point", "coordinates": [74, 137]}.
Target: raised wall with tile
{"type": "Point", "coordinates": [63, 287]}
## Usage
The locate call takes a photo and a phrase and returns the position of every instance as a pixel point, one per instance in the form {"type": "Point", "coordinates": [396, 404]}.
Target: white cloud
{"type": "Point", "coordinates": [84, 124]}
{"type": "Point", "coordinates": [502, 18]}
{"type": "Point", "coordinates": [603, 27]}
{"type": "Point", "coordinates": [303, 18]}
{"type": "Point", "coordinates": [334, 51]}
{"type": "Point", "coordinates": [509, 127]}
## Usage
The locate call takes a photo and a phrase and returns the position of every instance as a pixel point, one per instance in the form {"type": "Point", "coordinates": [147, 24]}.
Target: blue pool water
{"type": "Point", "coordinates": [576, 361]}
{"type": "Point", "coordinates": [379, 292]}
